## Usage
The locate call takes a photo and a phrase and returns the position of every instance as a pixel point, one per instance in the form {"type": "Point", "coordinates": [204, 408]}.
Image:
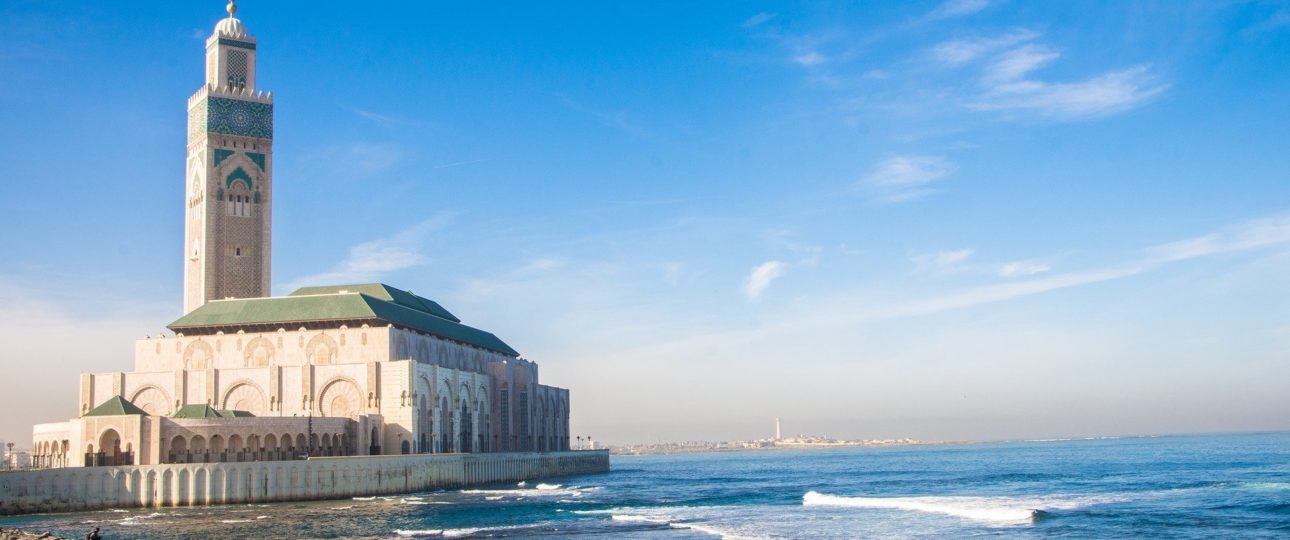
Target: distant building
{"type": "Point", "coordinates": [330, 370]}
{"type": "Point", "coordinates": [17, 459]}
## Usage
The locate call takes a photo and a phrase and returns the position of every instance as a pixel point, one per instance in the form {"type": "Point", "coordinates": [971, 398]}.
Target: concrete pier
{"type": "Point", "coordinates": [194, 484]}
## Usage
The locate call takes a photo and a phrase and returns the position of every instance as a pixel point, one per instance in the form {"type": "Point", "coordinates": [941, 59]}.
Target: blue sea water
{"type": "Point", "coordinates": [1172, 487]}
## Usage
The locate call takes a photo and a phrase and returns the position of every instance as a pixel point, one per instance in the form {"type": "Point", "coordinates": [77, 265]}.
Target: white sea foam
{"type": "Point", "coordinates": [522, 484]}
{"type": "Point", "coordinates": [1000, 511]}
{"type": "Point", "coordinates": [342, 507]}
{"type": "Point", "coordinates": [261, 517]}
{"type": "Point", "coordinates": [455, 533]}
{"type": "Point", "coordinates": [1267, 486]}
{"type": "Point", "coordinates": [644, 519]}
{"type": "Point", "coordinates": [549, 491]}
{"type": "Point", "coordinates": [461, 533]}
{"type": "Point", "coordinates": [997, 510]}
{"type": "Point", "coordinates": [714, 531]}
{"type": "Point", "coordinates": [495, 498]}
{"type": "Point", "coordinates": [234, 521]}
{"type": "Point", "coordinates": [411, 501]}
{"type": "Point", "coordinates": [365, 498]}
{"type": "Point", "coordinates": [546, 487]}
{"type": "Point", "coordinates": [419, 534]}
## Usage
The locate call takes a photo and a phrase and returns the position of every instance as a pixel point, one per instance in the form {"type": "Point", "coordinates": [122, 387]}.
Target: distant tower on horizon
{"type": "Point", "coordinates": [777, 431]}
{"type": "Point", "coordinates": [229, 174]}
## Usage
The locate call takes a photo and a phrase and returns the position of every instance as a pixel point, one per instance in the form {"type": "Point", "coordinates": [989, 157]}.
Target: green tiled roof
{"type": "Point", "coordinates": [206, 411]}
{"type": "Point", "coordinates": [115, 406]}
{"type": "Point", "coordinates": [358, 303]}
{"type": "Point", "coordinates": [384, 292]}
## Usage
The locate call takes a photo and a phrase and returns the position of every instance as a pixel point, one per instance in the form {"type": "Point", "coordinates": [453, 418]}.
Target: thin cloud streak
{"type": "Point", "coordinates": [384, 119]}
{"type": "Point", "coordinates": [374, 259]}
{"type": "Point", "coordinates": [942, 260]}
{"type": "Point", "coordinates": [962, 51]}
{"type": "Point", "coordinates": [905, 178]}
{"type": "Point", "coordinates": [1249, 235]}
{"type": "Point", "coordinates": [761, 277]}
{"type": "Point", "coordinates": [958, 8]}
{"type": "Point", "coordinates": [1109, 93]}
{"type": "Point", "coordinates": [1022, 269]}
{"type": "Point", "coordinates": [758, 19]}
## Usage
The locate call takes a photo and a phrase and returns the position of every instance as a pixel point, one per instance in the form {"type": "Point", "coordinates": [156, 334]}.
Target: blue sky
{"type": "Point", "coordinates": [960, 220]}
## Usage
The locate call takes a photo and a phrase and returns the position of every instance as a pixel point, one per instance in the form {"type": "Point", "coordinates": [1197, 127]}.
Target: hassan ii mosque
{"type": "Point", "coordinates": [336, 370]}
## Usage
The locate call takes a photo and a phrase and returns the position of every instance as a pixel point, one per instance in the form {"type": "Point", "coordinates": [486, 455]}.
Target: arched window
{"type": "Point", "coordinates": [238, 200]}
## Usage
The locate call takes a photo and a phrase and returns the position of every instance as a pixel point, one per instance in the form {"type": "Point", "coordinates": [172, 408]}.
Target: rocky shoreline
{"type": "Point", "coordinates": [19, 534]}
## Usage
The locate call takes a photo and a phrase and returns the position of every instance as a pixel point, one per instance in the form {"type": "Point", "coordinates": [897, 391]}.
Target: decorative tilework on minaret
{"type": "Point", "coordinates": [229, 174]}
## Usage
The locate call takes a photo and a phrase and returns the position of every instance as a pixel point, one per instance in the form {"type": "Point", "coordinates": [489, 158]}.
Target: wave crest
{"type": "Point", "coordinates": [999, 511]}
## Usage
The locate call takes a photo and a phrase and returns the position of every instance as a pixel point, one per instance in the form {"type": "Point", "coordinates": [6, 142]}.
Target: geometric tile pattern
{"type": "Point", "coordinates": [238, 117]}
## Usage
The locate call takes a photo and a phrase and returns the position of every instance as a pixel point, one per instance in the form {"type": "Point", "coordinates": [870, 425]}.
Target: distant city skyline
{"type": "Point", "coordinates": [937, 220]}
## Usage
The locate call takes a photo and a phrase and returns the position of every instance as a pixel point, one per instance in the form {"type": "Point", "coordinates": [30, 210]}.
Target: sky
{"type": "Point", "coordinates": [972, 219]}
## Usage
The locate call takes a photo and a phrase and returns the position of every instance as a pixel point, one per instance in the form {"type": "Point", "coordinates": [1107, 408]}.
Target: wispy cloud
{"type": "Point", "coordinates": [809, 58]}
{"type": "Point", "coordinates": [543, 264]}
{"type": "Point", "coordinates": [380, 118]}
{"type": "Point", "coordinates": [904, 178]}
{"type": "Point", "coordinates": [1018, 62]}
{"type": "Point", "coordinates": [1252, 234]}
{"type": "Point", "coordinates": [371, 158]}
{"type": "Point", "coordinates": [460, 163]}
{"type": "Point", "coordinates": [758, 19]}
{"type": "Point", "coordinates": [962, 51]}
{"type": "Point", "coordinates": [1009, 62]}
{"type": "Point", "coordinates": [1106, 94]}
{"type": "Point", "coordinates": [958, 8]}
{"type": "Point", "coordinates": [761, 277]}
{"type": "Point", "coordinates": [1022, 268]}
{"type": "Point", "coordinates": [942, 260]}
{"type": "Point", "coordinates": [374, 259]}
{"type": "Point", "coordinates": [1242, 237]}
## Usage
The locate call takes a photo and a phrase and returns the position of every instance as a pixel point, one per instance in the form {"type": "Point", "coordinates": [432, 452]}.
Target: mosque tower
{"type": "Point", "coordinates": [228, 216]}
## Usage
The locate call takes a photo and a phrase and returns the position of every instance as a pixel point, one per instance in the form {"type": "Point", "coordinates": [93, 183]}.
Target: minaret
{"type": "Point", "coordinates": [229, 174]}
{"type": "Point", "coordinates": [777, 433]}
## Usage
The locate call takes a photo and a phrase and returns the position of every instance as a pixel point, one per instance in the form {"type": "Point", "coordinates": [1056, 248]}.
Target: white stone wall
{"type": "Point", "coordinates": [58, 490]}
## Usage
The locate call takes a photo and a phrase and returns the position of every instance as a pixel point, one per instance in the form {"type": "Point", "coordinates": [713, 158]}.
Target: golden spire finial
{"type": "Point", "coordinates": [231, 8]}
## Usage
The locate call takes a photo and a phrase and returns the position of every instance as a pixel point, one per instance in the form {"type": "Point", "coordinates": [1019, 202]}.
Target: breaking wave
{"type": "Point", "coordinates": [541, 490]}
{"type": "Point", "coordinates": [455, 533]}
{"type": "Point", "coordinates": [988, 510]}
{"type": "Point", "coordinates": [639, 519]}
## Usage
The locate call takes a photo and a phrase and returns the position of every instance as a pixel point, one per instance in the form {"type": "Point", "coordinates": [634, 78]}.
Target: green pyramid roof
{"type": "Point", "coordinates": [115, 406]}
{"type": "Point", "coordinates": [383, 292]}
{"type": "Point", "coordinates": [374, 303]}
{"type": "Point", "coordinates": [206, 411]}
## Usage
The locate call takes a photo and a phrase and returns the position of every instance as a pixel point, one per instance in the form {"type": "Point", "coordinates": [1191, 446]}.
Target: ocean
{"type": "Point", "coordinates": [1231, 486]}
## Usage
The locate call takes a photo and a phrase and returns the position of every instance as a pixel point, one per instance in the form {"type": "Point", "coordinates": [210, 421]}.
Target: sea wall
{"type": "Point", "coordinates": [90, 488]}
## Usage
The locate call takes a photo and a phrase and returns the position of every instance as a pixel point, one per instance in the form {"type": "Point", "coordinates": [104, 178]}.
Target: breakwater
{"type": "Point", "coordinates": [193, 484]}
